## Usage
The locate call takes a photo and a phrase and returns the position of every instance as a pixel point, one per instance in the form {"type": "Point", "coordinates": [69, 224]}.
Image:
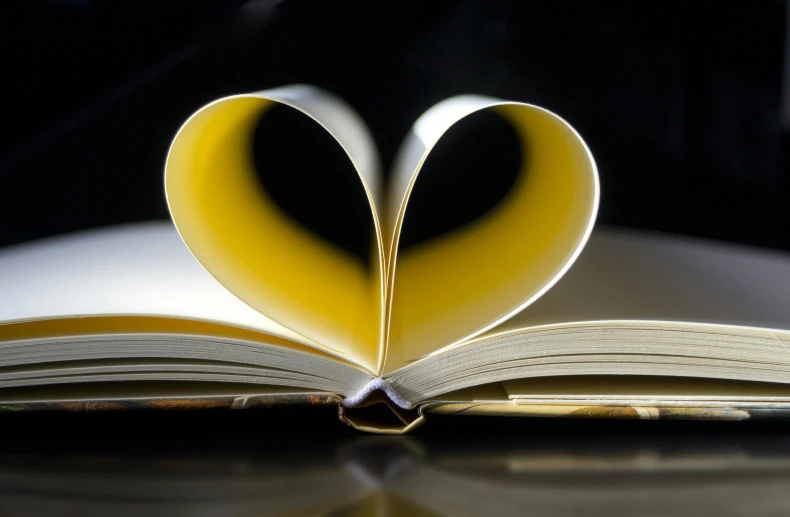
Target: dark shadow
{"type": "Point", "coordinates": [311, 179]}
{"type": "Point", "coordinates": [471, 170]}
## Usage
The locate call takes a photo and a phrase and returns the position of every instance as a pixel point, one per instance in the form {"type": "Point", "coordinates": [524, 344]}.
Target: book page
{"type": "Point", "coordinates": [453, 287]}
{"type": "Point", "coordinates": [629, 275]}
{"type": "Point", "coordinates": [134, 270]}
{"type": "Point", "coordinates": [253, 247]}
{"type": "Point", "coordinates": [635, 304]}
{"type": "Point", "coordinates": [622, 388]}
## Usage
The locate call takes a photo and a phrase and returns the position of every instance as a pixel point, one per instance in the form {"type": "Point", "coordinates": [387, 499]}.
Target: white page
{"type": "Point", "coordinates": [139, 270]}
{"type": "Point", "coordinates": [628, 275]}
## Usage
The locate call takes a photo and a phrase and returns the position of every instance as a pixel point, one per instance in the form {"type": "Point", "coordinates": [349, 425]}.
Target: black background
{"type": "Point", "coordinates": [679, 102]}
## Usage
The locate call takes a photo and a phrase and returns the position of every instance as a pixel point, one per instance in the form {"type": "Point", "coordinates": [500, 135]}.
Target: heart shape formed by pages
{"type": "Point", "coordinates": [402, 302]}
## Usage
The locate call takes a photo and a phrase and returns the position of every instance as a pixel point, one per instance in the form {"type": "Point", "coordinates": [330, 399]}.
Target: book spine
{"type": "Point", "coordinates": [381, 385]}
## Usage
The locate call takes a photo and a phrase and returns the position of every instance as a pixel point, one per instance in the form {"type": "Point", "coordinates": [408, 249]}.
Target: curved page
{"type": "Point", "coordinates": [626, 276]}
{"type": "Point", "coordinates": [251, 245]}
{"type": "Point", "coordinates": [453, 287]}
{"type": "Point", "coordinates": [134, 270]}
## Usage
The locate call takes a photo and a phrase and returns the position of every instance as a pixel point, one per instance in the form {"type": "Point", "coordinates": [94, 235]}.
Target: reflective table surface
{"type": "Point", "coordinates": [304, 463]}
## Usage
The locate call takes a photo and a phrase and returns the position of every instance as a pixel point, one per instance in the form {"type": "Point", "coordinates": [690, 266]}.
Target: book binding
{"type": "Point", "coordinates": [377, 384]}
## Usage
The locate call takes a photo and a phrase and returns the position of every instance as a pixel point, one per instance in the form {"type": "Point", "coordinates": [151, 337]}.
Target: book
{"type": "Point", "coordinates": [522, 310]}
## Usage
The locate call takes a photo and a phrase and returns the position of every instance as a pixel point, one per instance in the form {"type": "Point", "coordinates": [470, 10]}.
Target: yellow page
{"type": "Point", "coordinates": [256, 250]}
{"type": "Point", "coordinates": [444, 291]}
{"type": "Point", "coordinates": [453, 287]}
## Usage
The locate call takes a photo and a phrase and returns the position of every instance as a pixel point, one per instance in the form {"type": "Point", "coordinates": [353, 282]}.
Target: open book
{"type": "Point", "coordinates": [518, 311]}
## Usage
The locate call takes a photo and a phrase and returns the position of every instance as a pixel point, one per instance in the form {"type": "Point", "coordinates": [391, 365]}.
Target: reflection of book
{"type": "Point", "coordinates": [626, 492]}
{"type": "Point", "coordinates": [102, 488]}
{"type": "Point", "coordinates": [391, 478]}
{"type": "Point", "coordinates": [468, 319]}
